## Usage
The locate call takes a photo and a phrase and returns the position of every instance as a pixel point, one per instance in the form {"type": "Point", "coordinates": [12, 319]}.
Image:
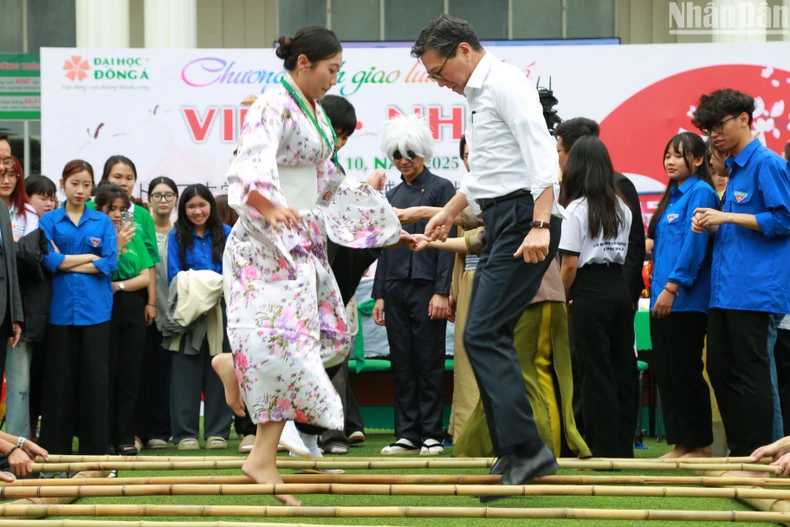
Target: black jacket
{"type": "Point", "coordinates": [635, 258]}
{"type": "Point", "coordinates": [35, 282]}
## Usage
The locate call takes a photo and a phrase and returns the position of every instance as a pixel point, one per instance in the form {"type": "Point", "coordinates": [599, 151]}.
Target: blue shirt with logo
{"type": "Point", "coordinates": [80, 299]}
{"type": "Point", "coordinates": [679, 255]}
{"type": "Point", "coordinates": [197, 257]}
{"type": "Point", "coordinates": [749, 271]}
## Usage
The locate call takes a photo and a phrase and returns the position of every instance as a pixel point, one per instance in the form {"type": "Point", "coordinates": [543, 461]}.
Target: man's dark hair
{"type": "Point", "coordinates": [715, 106]}
{"type": "Point", "coordinates": [4, 137]}
{"type": "Point", "coordinates": [574, 129]}
{"type": "Point", "coordinates": [787, 151]}
{"type": "Point", "coordinates": [443, 34]}
{"type": "Point", "coordinates": [340, 113]}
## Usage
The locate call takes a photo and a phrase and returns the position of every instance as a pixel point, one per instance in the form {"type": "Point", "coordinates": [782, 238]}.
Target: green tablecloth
{"type": "Point", "coordinates": [642, 330]}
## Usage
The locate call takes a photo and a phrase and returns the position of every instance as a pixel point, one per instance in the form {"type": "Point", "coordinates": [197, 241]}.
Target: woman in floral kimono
{"type": "Point", "coordinates": [286, 319]}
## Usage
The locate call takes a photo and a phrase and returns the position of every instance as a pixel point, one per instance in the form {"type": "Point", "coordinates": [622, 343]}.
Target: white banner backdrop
{"type": "Point", "coordinates": [178, 112]}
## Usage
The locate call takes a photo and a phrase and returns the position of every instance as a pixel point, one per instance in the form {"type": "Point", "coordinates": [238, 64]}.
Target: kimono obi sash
{"type": "Point", "coordinates": [299, 185]}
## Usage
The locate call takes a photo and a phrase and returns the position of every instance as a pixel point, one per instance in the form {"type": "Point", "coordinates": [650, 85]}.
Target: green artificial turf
{"type": "Point", "coordinates": [372, 447]}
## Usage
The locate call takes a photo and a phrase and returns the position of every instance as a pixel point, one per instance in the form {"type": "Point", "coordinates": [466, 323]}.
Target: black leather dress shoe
{"type": "Point", "coordinates": [499, 467]}
{"type": "Point", "coordinates": [520, 471]}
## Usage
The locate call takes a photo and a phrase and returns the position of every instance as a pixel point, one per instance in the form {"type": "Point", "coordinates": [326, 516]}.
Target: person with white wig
{"type": "Point", "coordinates": [412, 295]}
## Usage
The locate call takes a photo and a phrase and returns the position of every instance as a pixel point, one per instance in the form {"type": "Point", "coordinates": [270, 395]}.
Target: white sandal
{"type": "Point", "coordinates": [431, 447]}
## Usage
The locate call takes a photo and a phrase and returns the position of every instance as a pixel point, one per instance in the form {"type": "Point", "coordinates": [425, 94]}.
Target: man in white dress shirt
{"type": "Point", "coordinates": [514, 180]}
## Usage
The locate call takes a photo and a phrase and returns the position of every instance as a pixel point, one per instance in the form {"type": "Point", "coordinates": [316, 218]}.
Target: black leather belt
{"type": "Point", "coordinates": [490, 202]}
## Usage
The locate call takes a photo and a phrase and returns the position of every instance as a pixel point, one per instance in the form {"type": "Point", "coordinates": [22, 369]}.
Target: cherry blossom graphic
{"type": "Point", "coordinates": [76, 68]}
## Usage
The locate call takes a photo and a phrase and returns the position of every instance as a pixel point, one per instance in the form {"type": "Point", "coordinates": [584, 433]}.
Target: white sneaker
{"type": "Point", "coordinates": [311, 441]}
{"type": "Point", "coordinates": [401, 446]}
{"type": "Point", "coordinates": [291, 441]}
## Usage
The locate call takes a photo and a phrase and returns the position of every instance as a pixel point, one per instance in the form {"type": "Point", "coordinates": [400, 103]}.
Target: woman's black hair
{"type": "Point", "coordinates": [461, 146]}
{"type": "Point", "coordinates": [162, 180]}
{"type": "Point", "coordinates": [42, 185]}
{"type": "Point", "coordinates": [185, 228]}
{"type": "Point", "coordinates": [107, 193]}
{"type": "Point", "coordinates": [690, 146]}
{"type": "Point", "coordinates": [314, 41]}
{"type": "Point", "coordinates": [589, 174]}
{"type": "Point", "coordinates": [114, 160]}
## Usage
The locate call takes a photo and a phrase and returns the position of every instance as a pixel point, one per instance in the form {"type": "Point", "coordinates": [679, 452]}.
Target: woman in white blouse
{"type": "Point", "coordinates": [593, 246]}
{"type": "Point", "coordinates": [24, 220]}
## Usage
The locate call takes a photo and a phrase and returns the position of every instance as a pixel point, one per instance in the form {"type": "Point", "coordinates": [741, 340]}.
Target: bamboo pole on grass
{"type": "Point", "coordinates": [418, 479]}
{"type": "Point", "coordinates": [144, 523]}
{"type": "Point", "coordinates": [381, 479]}
{"type": "Point", "coordinates": [389, 512]}
{"type": "Point", "coordinates": [93, 491]}
{"type": "Point", "coordinates": [62, 458]}
{"type": "Point", "coordinates": [325, 463]}
{"type": "Point", "coordinates": [64, 500]}
{"type": "Point", "coordinates": [765, 505]}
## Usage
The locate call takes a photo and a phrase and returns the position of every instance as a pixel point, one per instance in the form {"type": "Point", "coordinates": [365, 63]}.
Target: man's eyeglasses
{"type": "Point", "coordinates": [437, 75]}
{"type": "Point", "coordinates": [166, 197]}
{"type": "Point", "coordinates": [397, 156]}
{"type": "Point", "coordinates": [717, 128]}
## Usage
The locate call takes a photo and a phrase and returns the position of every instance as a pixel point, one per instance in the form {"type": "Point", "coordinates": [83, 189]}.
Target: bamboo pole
{"type": "Point", "coordinates": [419, 479]}
{"type": "Point", "coordinates": [381, 479]}
{"type": "Point", "coordinates": [143, 523]}
{"type": "Point", "coordinates": [53, 458]}
{"type": "Point", "coordinates": [389, 512]}
{"type": "Point", "coordinates": [325, 463]}
{"type": "Point", "coordinates": [93, 491]}
{"type": "Point", "coordinates": [765, 505]}
{"type": "Point", "coordinates": [60, 500]}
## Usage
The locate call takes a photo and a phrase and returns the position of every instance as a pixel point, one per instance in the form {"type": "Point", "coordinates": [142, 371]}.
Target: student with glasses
{"type": "Point", "coordinates": [749, 282]}
{"type": "Point", "coordinates": [412, 295]}
{"type": "Point", "coordinates": [152, 414]}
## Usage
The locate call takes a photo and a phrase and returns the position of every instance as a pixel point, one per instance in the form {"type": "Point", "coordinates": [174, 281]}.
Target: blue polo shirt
{"type": "Point", "coordinates": [749, 271]}
{"type": "Point", "coordinates": [80, 299]}
{"type": "Point", "coordinates": [198, 257]}
{"type": "Point", "coordinates": [679, 255]}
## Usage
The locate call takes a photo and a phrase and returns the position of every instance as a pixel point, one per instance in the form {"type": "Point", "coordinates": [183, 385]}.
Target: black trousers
{"type": "Point", "coordinates": [603, 331]}
{"type": "Point", "coordinates": [127, 347]}
{"type": "Point", "coordinates": [76, 386]}
{"type": "Point", "coordinates": [152, 411]}
{"type": "Point", "coordinates": [782, 357]}
{"type": "Point", "coordinates": [741, 378]}
{"type": "Point", "coordinates": [502, 289]}
{"type": "Point", "coordinates": [678, 341]}
{"type": "Point", "coordinates": [39, 352]}
{"type": "Point", "coordinates": [417, 350]}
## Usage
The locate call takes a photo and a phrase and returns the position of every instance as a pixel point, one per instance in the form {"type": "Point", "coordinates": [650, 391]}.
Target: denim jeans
{"type": "Point", "coordinates": [17, 370]}
{"type": "Point", "coordinates": [777, 430]}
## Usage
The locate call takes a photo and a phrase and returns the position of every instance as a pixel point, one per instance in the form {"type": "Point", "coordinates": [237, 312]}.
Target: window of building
{"type": "Point", "coordinates": [357, 19]}
{"type": "Point", "coordinates": [295, 14]}
{"type": "Point", "coordinates": [489, 18]}
{"type": "Point", "coordinates": [587, 19]}
{"type": "Point", "coordinates": [404, 19]}
{"type": "Point", "coordinates": [537, 19]}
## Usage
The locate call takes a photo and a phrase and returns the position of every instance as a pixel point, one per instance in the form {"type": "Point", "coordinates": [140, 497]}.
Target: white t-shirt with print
{"type": "Point", "coordinates": [23, 223]}
{"type": "Point", "coordinates": [576, 237]}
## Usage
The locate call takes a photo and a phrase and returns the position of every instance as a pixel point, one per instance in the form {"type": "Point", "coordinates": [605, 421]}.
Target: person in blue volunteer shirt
{"type": "Point", "coordinates": [748, 273]}
{"type": "Point", "coordinates": [679, 297]}
{"type": "Point", "coordinates": [82, 256]}
{"type": "Point", "coordinates": [197, 242]}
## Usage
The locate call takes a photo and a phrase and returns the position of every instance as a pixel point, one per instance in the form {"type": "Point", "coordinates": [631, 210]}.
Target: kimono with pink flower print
{"type": "Point", "coordinates": [286, 318]}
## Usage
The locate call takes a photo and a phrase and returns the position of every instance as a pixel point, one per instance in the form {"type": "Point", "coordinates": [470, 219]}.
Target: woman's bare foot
{"type": "Point", "coordinates": [679, 451]}
{"type": "Point", "coordinates": [698, 452]}
{"type": "Point", "coordinates": [223, 365]}
{"type": "Point", "coordinates": [268, 476]}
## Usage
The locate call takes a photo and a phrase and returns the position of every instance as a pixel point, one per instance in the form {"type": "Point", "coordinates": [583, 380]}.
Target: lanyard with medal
{"type": "Point", "coordinates": [332, 185]}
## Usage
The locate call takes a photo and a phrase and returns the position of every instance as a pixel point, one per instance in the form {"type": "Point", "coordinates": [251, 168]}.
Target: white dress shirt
{"type": "Point", "coordinates": [510, 147]}
{"type": "Point", "coordinates": [576, 238]}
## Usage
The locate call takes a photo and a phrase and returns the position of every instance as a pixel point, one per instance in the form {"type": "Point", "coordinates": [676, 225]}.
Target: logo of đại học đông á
{"type": "Point", "coordinates": [126, 69]}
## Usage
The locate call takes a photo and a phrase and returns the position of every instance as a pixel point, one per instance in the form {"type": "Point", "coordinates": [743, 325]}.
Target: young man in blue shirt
{"type": "Point", "coordinates": [748, 281]}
